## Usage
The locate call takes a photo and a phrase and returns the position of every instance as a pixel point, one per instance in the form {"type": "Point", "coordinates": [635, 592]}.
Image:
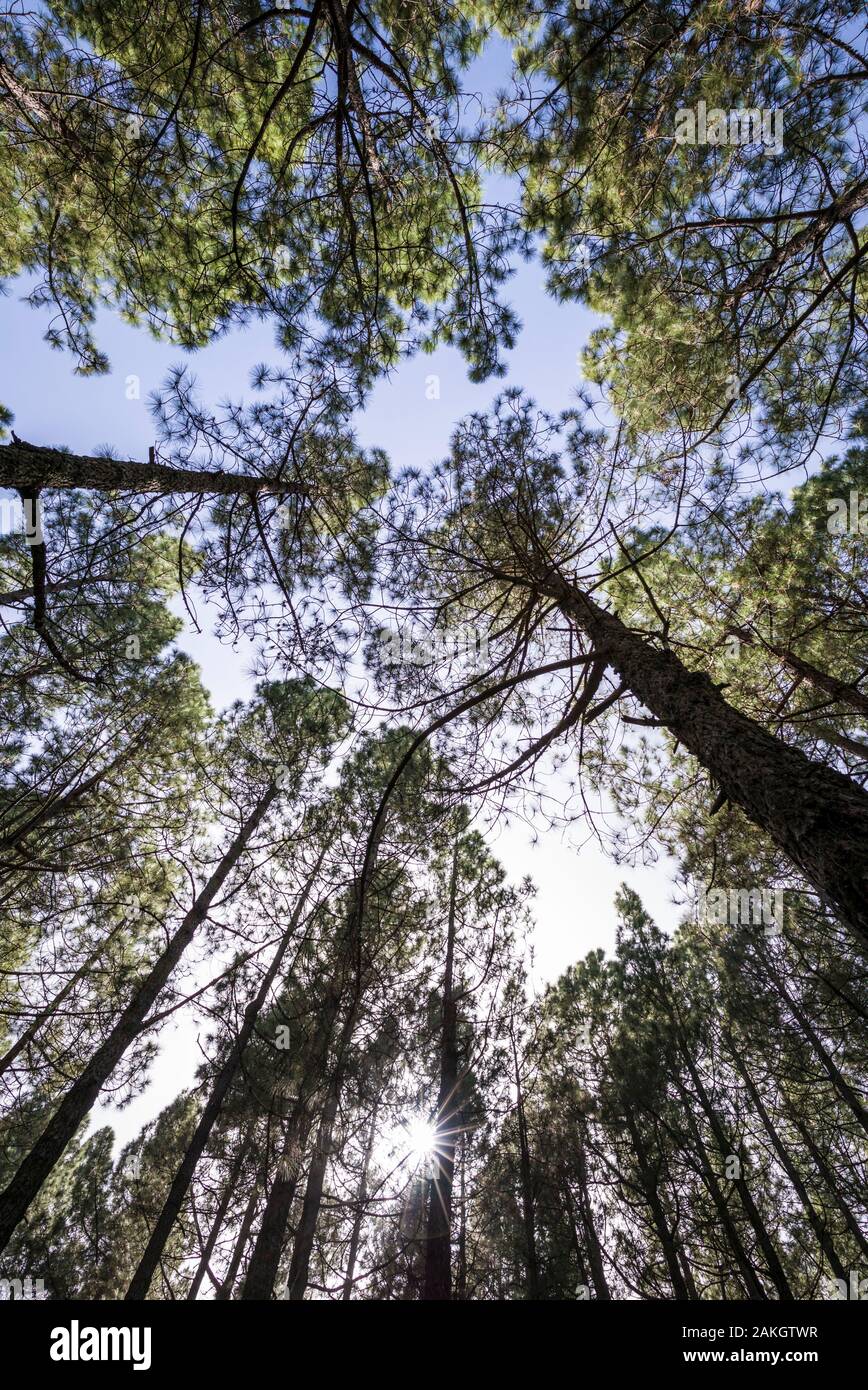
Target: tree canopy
{"type": "Point", "coordinates": [638, 621]}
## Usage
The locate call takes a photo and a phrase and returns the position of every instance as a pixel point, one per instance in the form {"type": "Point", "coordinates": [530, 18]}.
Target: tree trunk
{"type": "Point", "coordinates": [359, 1216]}
{"type": "Point", "coordinates": [589, 1227]}
{"type": "Point", "coordinates": [855, 746]}
{"type": "Point", "coordinates": [751, 1211]}
{"type": "Point", "coordinates": [220, 1217]}
{"type": "Point", "coordinates": [564, 1189]}
{"type": "Point", "coordinates": [267, 1250]}
{"type": "Point", "coordinates": [818, 1226]}
{"type": "Point", "coordinates": [225, 1290]}
{"type": "Point", "coordinates": [32, 466]}
{"type": "Point", "coordinates": [302, 1247]}
{"type": "Point", "coordinates": [753, 1286]}
{"type": "Point", "coordinates": [461, 1279]}
{"type": "Point", "coordinates": [78, 1100]}
{"type": "Point", "coordinates": [265, 1259]}
{"type": "Point", "coordinates": [527, 1201]}
{"type": "Point", "coordinates": [268, 1246]}
{"type": "Point", "coordinates": [832, 1184]}
{"type": "Point", "coordinates": [817, 816]}
{"type": "Point", "coordinates": [438, 1236]}
{"type": "Point", "coordinates": [687, 1272]}
{"type": "Point", "coordinates": [658, 1214]}
{"type": "Point", "coordinates": [165, 1221]}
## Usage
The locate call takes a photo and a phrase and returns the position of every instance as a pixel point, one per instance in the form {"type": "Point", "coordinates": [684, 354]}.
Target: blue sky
{"type": "Point", "coordinates": [574, 904]}
{"type": "Point", "coordinates": [53, 406]}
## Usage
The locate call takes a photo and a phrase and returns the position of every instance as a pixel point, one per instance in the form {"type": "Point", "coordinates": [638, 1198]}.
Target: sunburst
{"type": "Point", "coordinates": [421, 1138]}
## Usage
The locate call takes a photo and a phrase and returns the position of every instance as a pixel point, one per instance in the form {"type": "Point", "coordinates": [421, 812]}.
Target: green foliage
{"type": "Point", "coordinates": [200, 168]}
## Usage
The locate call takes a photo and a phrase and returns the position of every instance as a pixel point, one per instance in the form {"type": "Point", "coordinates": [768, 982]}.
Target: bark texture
{"type": "Point", "coordinates": [817, 816]}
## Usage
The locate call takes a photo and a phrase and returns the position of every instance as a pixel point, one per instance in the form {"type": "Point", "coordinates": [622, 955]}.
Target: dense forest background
{"type": "Point", "coordinates": [640, 620]}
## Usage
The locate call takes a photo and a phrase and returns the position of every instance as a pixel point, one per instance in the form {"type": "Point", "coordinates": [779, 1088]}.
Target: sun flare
{"type": "Point", "coordinates": [421, 1137]}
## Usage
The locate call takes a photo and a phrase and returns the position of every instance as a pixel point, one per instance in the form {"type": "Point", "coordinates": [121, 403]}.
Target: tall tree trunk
{"type": "Point", "coordinates": [268, 1246]}
{"type": "Point", "coordinates": [857, 746]}
{"type": "Point", "coordinates": [839, 1082]}
{"type": "Point", "coordinates": [818, 1226]}
{"type": "Point", "coordinates": [28, 466]}
{"type": "Point", "coordinates": [751, 1211]}
{"type": "Point", "coordinates": [831, 1182]}
{"type": "Point", "coordinates": [692, 1291]}
{"type": "Point", "coordinates": [750, 1279]}
{"type": "Point", "coordinates": [569, 1208]}
{"type": "Point", "coordinates": [165, 1221]}
{"type": "Point", "coordinates": [438, 1236]}
{"type": "Point", "coordinates": [589, 1226]}
{"type": "Point", "coordinates": [461, 1276]}
{"type": "Point", "coordinates": [818, 817]}
{"type": "Point", "coordinates": [225, 1290]}
{"type": "Point", "coordinates": [302, 1247]}
{"type": "Point", "coordinates": [669, 1005]}
{"type": "Point", "coordinates": [658, 1213]}
{"type": "Point", "coordinates": [220, 1216]}
{"type": "Point", "coordinates": [78, 1100]}
{"type": "Point", "coordinates": [359, 1215]}
{"type": "Point", "coordinates": [527, 1199]}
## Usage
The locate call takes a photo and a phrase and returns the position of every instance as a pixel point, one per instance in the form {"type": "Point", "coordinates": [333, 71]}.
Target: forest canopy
{"type": "Point", "coordinates": [638, 620]}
